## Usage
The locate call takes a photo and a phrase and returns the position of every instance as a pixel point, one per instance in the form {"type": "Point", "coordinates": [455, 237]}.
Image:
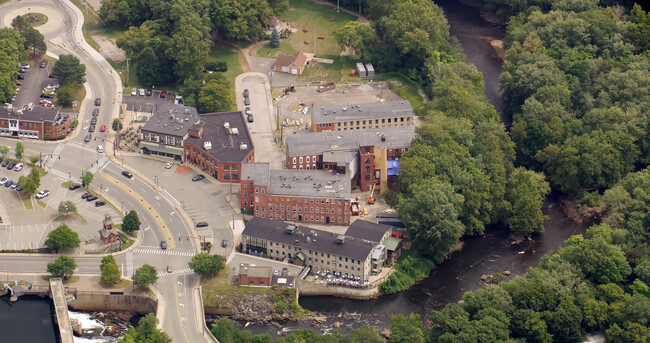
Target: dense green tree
{"type": "Point", "coordinates": [354, 35]}
{"type": "Point", "coordinates": [639, 29]}
{"type": "Point", "coordinates": [628, 204]}
{"type": "Point", "coordinates": [131, 222]}
{"type": "Point", "coordinates": [215, 96]}
{"type": "Point", "coordinates": [62, 238]}
{"type": "Point", "coordinates": [633, 332]}
{"type": "Point", "coordinates": [146, 331]}
{"type": "Point", "coordinates": [405, 329]}
{"type": "Point", "coordinates": [207, 265]}
{"type": "Point", "coordinates": [65, 94]}
{"type": "Point", "coordinates": [116, 125]}
{"type": "Point", "coordinates": [62, 267]}
{"type": "Point", "coordinates": [67, 207]}
{"type": "Point", "coordinates": [34, 40]}
{"type": "Point", "coordinates": [366, 334]}
{"type": "Point", "coordinates": [599, 261]}
{"type": "Point", "coordinates": [87, 178]}
{"type": "Point", "coordinates": [493, 297]}
{"type": "Point", "coordinates": [274, 41]}
{"type": "Point", "coordinates": [20, 24]}
{"type": "Point", "coordinates": [68, 70]}
{"type": "Point", "coordinates": [240, 19]}
{"type": "Point", "coordinates": [4, 150]}
{"type": "Point", "coordinates": [19, 150]}
{"type": "Point", "coordinates": [110, 272]}
{"type": "Point", "coordinates": [431, 215]}
{"type": "Point", "coordinates": [13, 48]}
{"type": "Point", "coordinates": [190, 50]}
{"type": "Point", "coordinates": [145, 276]}
{"type": "Point", "coordinates": [530, 325]}
{"type": "Point", "coordinates": [526, 193]}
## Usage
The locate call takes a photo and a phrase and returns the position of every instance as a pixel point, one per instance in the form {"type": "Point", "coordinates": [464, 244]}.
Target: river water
{"type": "Point", "coordinates": [487, 254]}
{"type": "Point", "coordinates": [30, 319]}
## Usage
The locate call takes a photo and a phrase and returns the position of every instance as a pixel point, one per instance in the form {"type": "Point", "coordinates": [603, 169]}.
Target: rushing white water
{"type": "Point", "coordinates": [92, 329]}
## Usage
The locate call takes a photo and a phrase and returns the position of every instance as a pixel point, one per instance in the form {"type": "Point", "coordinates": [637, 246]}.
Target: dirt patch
{"type": "Point", "coordinates": [109, 49]}
{"type": "Point", "coordinates": [580, 214]}
{"type": "Point", "coordinates": [182, 169]}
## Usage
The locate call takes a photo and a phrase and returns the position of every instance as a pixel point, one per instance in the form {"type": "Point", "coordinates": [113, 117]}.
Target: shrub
{"type": "Point", "coordinates": [218, 66]}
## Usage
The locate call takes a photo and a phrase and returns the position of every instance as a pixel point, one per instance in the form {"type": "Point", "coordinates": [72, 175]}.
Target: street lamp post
{"type": "Point", "coordinates": [100, 189]}
{"type": "Point", "coordinates": [122, 206]}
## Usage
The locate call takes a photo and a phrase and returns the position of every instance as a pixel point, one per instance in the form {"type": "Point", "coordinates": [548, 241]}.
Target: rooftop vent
{"type": "Point", "coordinates": [234, 131]}
{"type": "Point", "coordinates": [345, 108]}
{"type": "Point", "coordinates": [207, 145]}
{"type": "Point", "coordinates": [340, 239]}
{"type": "Point", "coordinates": [291, 229]}
{"type": "Point", "coordinates": [226, 125]}
{"type": "Point", "coordinates": [187, 110]}
{"type": "Point", "coordinates": [243, 146]}
{"type": "Point", "coordinates": [383, 138]}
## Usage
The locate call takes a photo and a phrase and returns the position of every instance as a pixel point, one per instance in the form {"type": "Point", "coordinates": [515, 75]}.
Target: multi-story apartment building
{"type": "Point", "coordinates": [167, 129]}
{"type": "Point", "coordinates": [369, 156]}
{"type": "Point", "coordinates": [311, 196]}
{"type": "Point", "coordinates": [358, 253]}
{"type": "Point", "coordinates": [218, 144]}
{"type": "Point", "coordinates": [35, 123]}
{"type": "Point", "coordinates": [361, 116]}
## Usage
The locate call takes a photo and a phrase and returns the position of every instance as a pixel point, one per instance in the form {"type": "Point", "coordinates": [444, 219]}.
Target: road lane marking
{"type": "Point", "coordinates": [146, 205]}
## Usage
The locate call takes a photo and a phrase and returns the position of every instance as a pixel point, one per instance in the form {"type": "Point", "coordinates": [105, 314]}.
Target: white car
{"type": "Point", "coordinates": [142, 92]}
{"type": "Point", "coordinates": [3, 180]}
{"type": "Point", "coordinates": [134, 92]}
{"type": "Point", "coordinates": [100, 149]}
{"type": "Point", "coordinates": [18, 167]}
{"type": "Point", "coordinates": [169, 165]}
{"type": "Point", "coordinates": [42, 194]}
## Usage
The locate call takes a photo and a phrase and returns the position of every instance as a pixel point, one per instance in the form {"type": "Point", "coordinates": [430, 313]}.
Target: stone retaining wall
{"type": "Point", "coordinates": [99, 301]}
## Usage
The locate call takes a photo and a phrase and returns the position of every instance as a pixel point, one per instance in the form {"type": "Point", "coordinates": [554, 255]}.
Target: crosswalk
{"type": "Point", "coordinates": [56, 152]}
{"type": "Point", "coordinates": [83, 147]}
{"type": "Point", "coordinates": [64, 176]}
{"type": "Point", "coordinates": [209, 186]}
{"type": "Point", "coordinates": [101, 163]}
{"type": "Point", "coordinates": [176, 272]}
{"type": "Point", "coordinates": [164, 252]}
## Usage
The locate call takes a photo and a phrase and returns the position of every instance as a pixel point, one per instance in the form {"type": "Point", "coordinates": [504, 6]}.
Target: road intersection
{"type": "Point", "coordinates": [161, 213]}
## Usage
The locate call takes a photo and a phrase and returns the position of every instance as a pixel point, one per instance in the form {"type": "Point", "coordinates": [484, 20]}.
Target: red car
{"type": "Point", "coordinates": [19, 83]}
{"type": "Point", "coordinates": [102, 128]}
{"type": "Point", "coordinates": [163, 94]}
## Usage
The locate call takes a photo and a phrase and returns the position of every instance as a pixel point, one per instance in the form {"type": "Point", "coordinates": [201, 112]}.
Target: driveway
{"type": "Point", "coordinates": [262, 129]}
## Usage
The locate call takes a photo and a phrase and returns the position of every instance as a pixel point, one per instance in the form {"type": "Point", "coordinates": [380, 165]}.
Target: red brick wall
{"type": "Point", "coordinates": [367, 178]}
{"type": "Point", "coordinates": [194, 154]}
{"type": "Point", "coordinates": [245, 280]}
{"type": "Point", "coordinates": [322, 127]}
{"type": "Point", "coordinates": [301, 161]}
{"type": "Point", "coordinates": [246, 192]}
{"type": "Point", "coordinates": [303, 209]}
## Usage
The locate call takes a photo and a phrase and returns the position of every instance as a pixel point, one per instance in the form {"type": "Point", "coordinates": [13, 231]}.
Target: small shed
{"type": "Point", "coordinates": [370, 70]}
{"type": "Point", "coordinates": [361, 70]}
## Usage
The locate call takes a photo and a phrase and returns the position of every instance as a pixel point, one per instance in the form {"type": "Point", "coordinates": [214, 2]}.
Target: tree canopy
{"type": "Point", "coordinates": [62, 267]}
{"type": "Point", "coordinates": [131, 222]}
{"type": "Point", "coordinates": [62, 238]}
{"type": "Point", "coordinates": [207, 265]}
{"type": "Point", "coordinates": [109, 270]}
{"type": "Point", "coordinates": [146, 332]}
{"type": "Point", "coordinates": [145, 276]}
{"type": "Point", "coordinates": [68, 70]}
{"type": "Point", "coordinates": [13, 48]}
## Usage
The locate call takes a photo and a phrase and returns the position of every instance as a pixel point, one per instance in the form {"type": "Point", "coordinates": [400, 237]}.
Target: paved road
{"type": "Point", "coordinates": [158, 215]}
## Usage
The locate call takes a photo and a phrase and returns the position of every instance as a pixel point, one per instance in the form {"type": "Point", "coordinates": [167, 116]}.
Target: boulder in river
{"type": "Point", "coordinates": [336, 325]}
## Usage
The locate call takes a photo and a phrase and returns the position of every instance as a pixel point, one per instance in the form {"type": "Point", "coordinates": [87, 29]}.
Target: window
{"type": "Point", "coordinates": [339, 202]}
{"type": "Point", "coordinates": [245, 194]}
{"type": "Point", "coordinates": [235, 168]}
{"type": "Point", "coordinates": [226, 167]}
{"type": "Point", "coordinates": [245, 203]}
{"type": "Point", "coordinates": [327, 201]}
{"type": "Point", "coordinates": [311, 201]}
{"type": "Point", "coordinates": [367, 169]}
{"type": "Point", "coordinates": [307, 159]}
{"type": "Point", "coordinates": [300, 160]}
{"type": "Point", "coordinates": [262, 190]}
{"type": "Point", "coordinates": [367, 177]}
{"type": "Point", "coordinates": [294, 160]}
{"type": "Point", "coordinates": [367, 161]}
{"type": "Point", "coordinates": [257, 208]}
{"type": "Point", "coordinates": [257, 190]}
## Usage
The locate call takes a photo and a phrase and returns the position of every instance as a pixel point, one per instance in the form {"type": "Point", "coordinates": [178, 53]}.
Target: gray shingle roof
{"type": "Point", "coordinates": [37, 114]}
{"type": "Point", "coordinates": [318, 142]}
{"type": "Point", "coordinates": [172, 119]}
{"type": "Point", "coordinates": [260, 173]}
{"type": "Point", "coordinates": [225, 147]}
{"type": "Point", "coordinates": [308, 238]}
{"type": "Point", "coordinates": [366, 230]}
{"type": "Point", "coordinates": [375, 110]}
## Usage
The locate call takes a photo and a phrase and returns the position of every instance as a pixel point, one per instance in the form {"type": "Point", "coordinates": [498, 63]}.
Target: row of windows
{"type": "Point", "coordinates": [383, 121]}
{"type": "Point", "coordinates": [313, 166]}
{"type": "Point", "coordinates": [280, 208]}
{"type": "Point", "coordinates": [311, 252]}
{"type": "Point", "coordinates": [317, 219]}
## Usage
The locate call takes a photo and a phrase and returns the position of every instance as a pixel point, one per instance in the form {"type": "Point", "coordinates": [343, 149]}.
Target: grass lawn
{"type": "Point", "coordinates": [42, 19]}
{"type": "Point", "coordinates": [109, 285]}
{"type": "Point", "coordinates": [69, 216]}
{"type": "Point", "coordinates": [27, 201]}
{"type": "Point", "coordinates": [285, 49]}
{"type": "Point", "coordinates": [41, 204]}
{"type": "Point", "coordinates": [216, 289]}
{"type": "Point", "coordinates": [68, 184]}
{"type": "Point", "coordinates": [313, 16]}
{"type": "Point", "coordinates": [127, 242]}
{"type": "Point", "coordinates": [404, 87]}
{"type": "Point", "coordinates": [227, 53]}
{"type": "Point", "coordinates": [339, 71]}
{"type": "Point", "coordinates": [78, 95]}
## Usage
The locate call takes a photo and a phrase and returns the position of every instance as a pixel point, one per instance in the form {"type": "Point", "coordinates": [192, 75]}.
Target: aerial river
{"type": "Point", "coordinates": [486, 254]}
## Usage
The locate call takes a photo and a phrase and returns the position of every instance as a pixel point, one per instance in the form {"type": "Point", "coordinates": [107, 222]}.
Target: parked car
{"type": "Point", "coordinates": [93, 197]}
{"type": "Point", "coordinates": [134, 92]}
{"type": "Point", "coordinates": [98, 101]}
{"type": "Point", "coordinates": [224, 243]}
{"type": "Point", "coordinates": [21, 77]}
{"type": "Point", "coordinates": [149, 92]}
{"type": "Point", "coordinates": [42, 194]}
{"type": "Point", "coordinates": [19, 83]}
{"type": "Point", "coordinates": [102, 128]}
{"type": "Point", "coordinates": [250, 118]}
{"type": "Point", "coordinates": [276, 271]}
{"type": "Point", "coordinates": [127, 174]}
{"type": "Point", "coordinates": [93, 121]}
{"type": "Point", "coordinates": [285, 272]}
{"type": "Point", "coordinates": [9, 183]}
{"type": "Point", "coordinates": [247, 101]}
{"type": "Point", "coordinates": [163, 94]}
{"type": "Point", "coordinates": [246, 93]}
{"type": "Point", "coordinates": [198, 178]}
{"type": "Point", "coordinates": [43, 64]}
{"type": "Point", "coordinates": [201, 224]}
{"type": "Point", "coordinates": [25, 66]}
{"type": "Point", "coordinates": [11, 165]}
{"type": "Point", "coordinates": [19, 189]}
{"type": "Point", "coordinates": [14, 185]}
{"type": "Point", "coordinates": [248, 110]}
{"type": "Point", "coordinates": [74, 186]}
{"type": "Point", "coordinates": [86, 195]}
{"type": "Point", "coordinates": [18, 167]}
{"type": "Point", "coordinates": [169, 165]}
{"type": "Point", "coordinates": [99, 203]}
{"type": "Point", "coordinates": [142, 92]}
{"type": "Point", "coordinates": [91, 128]}
{"type": "Point", "coordinates": [3, 180]}
{"type": "Point", "coordinates": [87, 138]}
{"type": "Point", "coordinates": [163, 245]}
{"type": "Point", "coordinates": [4, 163]}
{"type": "Point", "coordinates": [96, 112]}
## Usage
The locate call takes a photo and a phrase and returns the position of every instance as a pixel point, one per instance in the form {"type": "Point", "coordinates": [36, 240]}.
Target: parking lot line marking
{"type": "Point", "coordinates": [146, 205]}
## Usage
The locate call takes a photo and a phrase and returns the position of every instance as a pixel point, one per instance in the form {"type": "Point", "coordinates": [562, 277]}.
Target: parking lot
{"type": "Point", "coordinates": [35, 79]}
{"type": "Point", "coordinates": [145, 103]}
{"type": "Point", "coordinates": [29, 227]}
{"type": "Point", "coordinates": [203, 201]}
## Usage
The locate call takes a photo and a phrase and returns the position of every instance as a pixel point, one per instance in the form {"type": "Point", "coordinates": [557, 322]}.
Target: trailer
{"type": "Point", "coordinates": [354, 206]}
{"type": "Point", "coordinates": [361, 70]}
{"type": "Point", "coordinates": [326, 87]}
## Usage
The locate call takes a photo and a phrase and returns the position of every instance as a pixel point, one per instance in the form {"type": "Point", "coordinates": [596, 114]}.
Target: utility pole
{"type": "Point", "coordinates": [337, 6]}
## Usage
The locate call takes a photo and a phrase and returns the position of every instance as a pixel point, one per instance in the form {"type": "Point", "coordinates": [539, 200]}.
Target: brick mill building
{"type": "Point", "coordinates": [361, 116]}
{"type": "Point", "coordinates": [35, 123]}
{"type": "Point", "coordinates": [218, 144]}
{"type": "Point", "coordinates": [369, 156]}
{"type": "Point", "coordinates": [167, 129]}
{"type": "Point", "coordinates": [308, 196]}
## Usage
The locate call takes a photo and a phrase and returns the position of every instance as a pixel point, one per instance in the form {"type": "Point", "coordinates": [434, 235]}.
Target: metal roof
{"type": "Point", "coordinates": [172, 119]}
{"type": "Point", "coordinates": [375, 110]}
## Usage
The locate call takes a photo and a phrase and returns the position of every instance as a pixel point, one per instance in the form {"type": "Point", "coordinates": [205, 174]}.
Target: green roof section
{"type": "Point", "coordinates": [392, 243]}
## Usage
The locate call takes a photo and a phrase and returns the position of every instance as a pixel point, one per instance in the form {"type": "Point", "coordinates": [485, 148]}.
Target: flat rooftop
{"type": "Point", "coordinates": [225, 136]}
{"type": "Point", "coordinates": [374, 110]}
{"type": "Point", "coordinates": [293, 182]}
{"type": "Point", "coordinates": [318, 142]}
{"type": "Point", "coordinates": [171, 119]}
{"type": "Point", "coordinates": [308, 238]}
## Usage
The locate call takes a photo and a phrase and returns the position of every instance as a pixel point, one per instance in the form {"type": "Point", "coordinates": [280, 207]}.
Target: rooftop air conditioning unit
{"type": "Point", "coordinates": [226, 125]}
{"type": "Point", "coordinates": [243, 146]}
{"type": "Point", "coordinates": [207, 145]}
{"type": "Point", "coordinates": [235, 131]}
{"type": "Point", "coordinates": [340, 239]}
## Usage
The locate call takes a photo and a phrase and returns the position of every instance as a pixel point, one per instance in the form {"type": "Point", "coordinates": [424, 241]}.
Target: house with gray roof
{"type": "Point", "coordinates": [167, 129]}
{"type": "Point", "coordinates": [361, 116]}
{"type": "Point", "coordinates": [364, 154]}
{"type": "Point", "coordinates": [34, 122]}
